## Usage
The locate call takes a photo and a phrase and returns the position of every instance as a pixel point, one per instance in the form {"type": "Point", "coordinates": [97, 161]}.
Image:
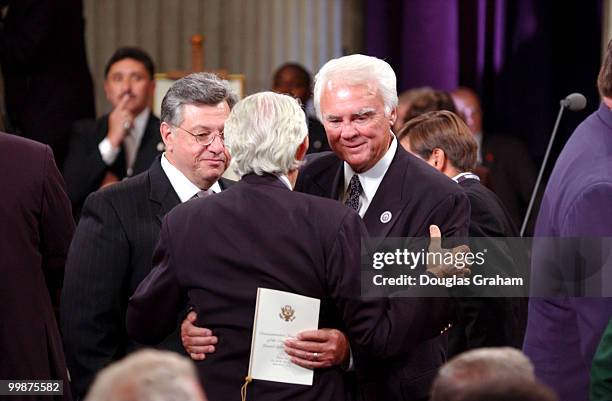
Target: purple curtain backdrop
{"type": "Point", "coordinates": [521, 56]}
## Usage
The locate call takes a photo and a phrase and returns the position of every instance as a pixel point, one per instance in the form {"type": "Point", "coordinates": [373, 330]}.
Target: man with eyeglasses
{"type": "Point", "coordinates": [113, 245]}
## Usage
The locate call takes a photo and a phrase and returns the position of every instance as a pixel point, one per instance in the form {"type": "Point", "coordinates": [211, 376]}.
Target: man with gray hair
{"type": "Point", "coordinates": [397, 195]}
{"type": "Point", "coordinates": [148, 375]}
{"type": "Point", "coordinates": [113, 245]}
{"type": "Point", "coordinates": [259, 233]}
{"type": "Point", "coordinates": [474, 368]}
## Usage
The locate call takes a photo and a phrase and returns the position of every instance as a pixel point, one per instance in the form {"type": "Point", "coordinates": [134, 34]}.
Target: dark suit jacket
{"type": "Point", "coordinates": [260, 234]}
{"type": "Point", "coordinates": [110, 255]}
{"type": "Point", "coordinates": [36, 227]}
{"type": "Point", "coordinates": [488, 321]}
{"type": "Point", "coordinates": [84, 168]}
{"type": "Point", "coordinates": [46, 78]}
{"type": "Point", "coordinates": [417, 196]}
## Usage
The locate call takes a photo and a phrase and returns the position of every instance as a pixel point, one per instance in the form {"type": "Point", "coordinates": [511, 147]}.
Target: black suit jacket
{"type": "Point", "coordinates": [417, 196]}
{"type": "Point", "coordinates": [36, 227]}
{"type": "Point", "coordinates": [489, 321]}
{"type": "Point", "coordinates": [84, 168]}
{"type": "Point", "coordinates": [111, 253]}
{"type": "Point", "coordinates": [215, 252]}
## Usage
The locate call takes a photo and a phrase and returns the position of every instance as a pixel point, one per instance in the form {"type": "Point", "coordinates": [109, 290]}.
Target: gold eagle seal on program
{"type": "Point", "coordinates": [287, 313]}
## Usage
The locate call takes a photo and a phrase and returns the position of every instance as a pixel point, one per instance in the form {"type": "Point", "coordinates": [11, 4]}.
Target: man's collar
{"type": "Point", "coordinates": [285, 180]}
{"type": "Point", "coordinates": [184, 188]}
{"type": "Point", "coordinates": [371, 179]}
{"type": "Point", "coordinates": [465, 176]}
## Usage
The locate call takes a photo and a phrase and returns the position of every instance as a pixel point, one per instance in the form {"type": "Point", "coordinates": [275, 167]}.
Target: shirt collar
{"type": "Point", "coordinates": [140, 124]}
{"type": "Point", "coordinates": [464, 176]}
{"type": "Point", "coordinates": [285, 180]}
{"type": "Point", "coordinates": [184, 188]}
{"type": "Point", "coordinates": [371, 179]}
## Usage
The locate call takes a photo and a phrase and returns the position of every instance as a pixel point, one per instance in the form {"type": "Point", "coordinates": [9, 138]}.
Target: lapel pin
{"type": "Point", "coordinates": [385, 217]}
{"type": "Point", "coordinates": [161, 147]}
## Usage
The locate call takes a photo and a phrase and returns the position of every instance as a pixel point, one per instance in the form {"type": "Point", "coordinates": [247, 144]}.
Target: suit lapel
{"type": "Point", "coordinates": [162, 194]}
{"type": "Point", "coordinates": [388, 202]}
{"type": "Point", "coordinates": [338, 182]}
{"type": "Point", "coordinates": [148, 148]}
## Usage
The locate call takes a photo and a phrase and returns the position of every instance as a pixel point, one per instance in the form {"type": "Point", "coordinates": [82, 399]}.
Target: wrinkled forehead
{"type": "Point", "coordinates": [360, 96]}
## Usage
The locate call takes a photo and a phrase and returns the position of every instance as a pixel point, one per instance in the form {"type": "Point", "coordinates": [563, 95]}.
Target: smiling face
{"type": "Point", "coordinates": [354, 119]}
{"type": "Point", "coordinates": [202, 165]}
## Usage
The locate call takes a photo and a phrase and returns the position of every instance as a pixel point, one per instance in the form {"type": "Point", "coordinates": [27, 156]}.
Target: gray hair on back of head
{"type": "Point", "coordinates": [358, 69]}
{"type": "Point", "coordinates": [263, 133]}
{"type": "Point", "coordinates": [148, 375]}
{"type": "Point", "coordinates": [201, 88]}
{"type": "Point", "coordinates": [475, 367]}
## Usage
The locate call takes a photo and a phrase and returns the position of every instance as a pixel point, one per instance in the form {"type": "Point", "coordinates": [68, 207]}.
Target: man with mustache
{"type": "Point", "coordinates": [113, 245]}
{"type": "Point", "coordinates": [123, 143]}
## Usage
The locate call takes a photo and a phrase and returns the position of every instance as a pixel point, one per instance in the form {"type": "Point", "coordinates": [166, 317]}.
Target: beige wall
{"type": "Point", "coordinates": [606, 25]}
{"type": "Point", "coordinates": [252, 37]}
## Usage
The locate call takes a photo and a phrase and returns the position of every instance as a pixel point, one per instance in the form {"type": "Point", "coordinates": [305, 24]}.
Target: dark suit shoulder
{"type": "Point", "coordinates": [319, 164]}
{"type": "Point", "coordinates": [14, 142]}
{"type": "Point", "coordinates": [489, 217]}
{"type": "Point", "coordinates": [90, 128]}
{"type": "Point", "coordinates": [426, 177]}
{"type": "Point", "coordinates": [126, 187]}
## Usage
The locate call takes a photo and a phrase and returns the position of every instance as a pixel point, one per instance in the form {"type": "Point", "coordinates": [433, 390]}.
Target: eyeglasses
{"type": "Point", "coordinates": [205, 138]}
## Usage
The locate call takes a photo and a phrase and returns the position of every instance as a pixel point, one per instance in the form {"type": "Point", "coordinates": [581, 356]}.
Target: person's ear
{"type": "Point", "coordinates": [167, 136]}
{"type": "Point", "coordinates": [393, 117]}
{"type": "Point", "coordinates": [151, 91]}
{"type": "Point", "coordinates": [438, 159]}
{"type": "Point", "coordinates": [300, 153]}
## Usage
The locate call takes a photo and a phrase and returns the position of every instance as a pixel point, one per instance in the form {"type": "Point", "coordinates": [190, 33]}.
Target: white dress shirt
{"type": "Point", "coordinates": [370, 180]}
{"type": "Point", "coordinates": [184, 188]}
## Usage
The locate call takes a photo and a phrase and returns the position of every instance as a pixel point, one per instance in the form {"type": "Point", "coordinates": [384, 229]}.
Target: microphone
{"type": "Point", "coordinates": [573, 102]}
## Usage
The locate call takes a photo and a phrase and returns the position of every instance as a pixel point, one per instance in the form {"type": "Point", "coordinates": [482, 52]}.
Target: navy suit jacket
{"type": "Point", "coordinates": [215, 252]}
{"type": "Point", "coordinates": [84, 168]}
{"type": "Point", "coordinates": [36, 227]}
{"type": "Point", "coordinates": [111, 253]}
{"type": "Point", "coordinates": [563, 332]}
{"type": "Point", "coordinates": [417, 196]}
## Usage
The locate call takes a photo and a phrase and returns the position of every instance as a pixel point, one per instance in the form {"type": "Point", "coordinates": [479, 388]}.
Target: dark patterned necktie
{"type": "Point", "coordinates": [355, 190]}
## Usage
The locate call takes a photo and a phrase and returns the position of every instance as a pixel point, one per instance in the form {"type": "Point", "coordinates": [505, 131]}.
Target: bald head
{"type": "Point", "coordinates": [468, 106]}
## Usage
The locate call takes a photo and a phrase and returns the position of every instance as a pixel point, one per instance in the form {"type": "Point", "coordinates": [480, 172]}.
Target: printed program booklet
{"type": "Point", "coordinates": [278, 315]}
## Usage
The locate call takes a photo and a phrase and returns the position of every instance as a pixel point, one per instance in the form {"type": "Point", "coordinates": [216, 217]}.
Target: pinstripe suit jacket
{"type": "Point", "coordinates": [110, 255]}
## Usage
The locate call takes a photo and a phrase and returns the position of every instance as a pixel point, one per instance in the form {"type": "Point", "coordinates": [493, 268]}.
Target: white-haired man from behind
{"type": "Point", "coordinates": [274, 244]}
{"type": "Point", "coordinates": [148, 375]}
